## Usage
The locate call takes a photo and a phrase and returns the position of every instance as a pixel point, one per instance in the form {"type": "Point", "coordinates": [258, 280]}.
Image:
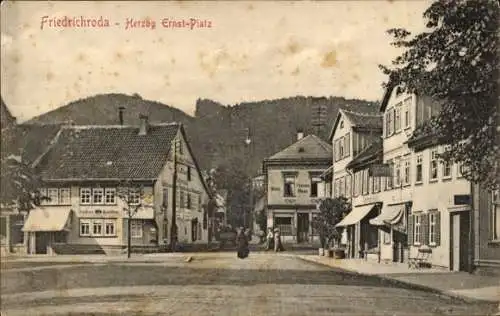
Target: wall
{"type": "Point", "coordinates": [194, 187]}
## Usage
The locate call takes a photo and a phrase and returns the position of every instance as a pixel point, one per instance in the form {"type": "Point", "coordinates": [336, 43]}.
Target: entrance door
{"type": "Point", "coordinates": [302, 227]}
{"type": "Point", "coordinates": [41, 242]}
{"type": "Point", "coordinates": [459, 241]}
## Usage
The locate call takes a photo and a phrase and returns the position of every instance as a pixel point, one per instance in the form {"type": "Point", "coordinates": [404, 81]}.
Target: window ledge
{"type": "Point", "coordinates": [447, 178]}
{"type": "Point", "coordinates": [419, 183]}
{"type": "Point", "coordinates": [433, 244]}
{"type": "Point", "coordinates": [433, 180]}
{"type": "Point", "coordinates": [406, 185]}
{"type": "Point", "coordinates": [417, 244]}
{"type": "Point", "coordinates": [494, 242]}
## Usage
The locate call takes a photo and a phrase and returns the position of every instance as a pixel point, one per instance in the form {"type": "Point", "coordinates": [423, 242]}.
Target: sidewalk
{"type": "Point", "coordinates": [456, 284]}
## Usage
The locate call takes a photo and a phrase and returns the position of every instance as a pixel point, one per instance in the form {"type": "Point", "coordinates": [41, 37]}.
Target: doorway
{"type": "Point", "coordinates": [302, 227]}
{"type": "Point", "coordinates": [41, 242]}
{"type": "Point", "coordinates": [460, 225]}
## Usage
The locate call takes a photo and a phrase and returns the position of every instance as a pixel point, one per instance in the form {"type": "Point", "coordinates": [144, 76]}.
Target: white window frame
{"type": "Point", "coordinates": [397, 172]}
{"type": "Point", "coordinates": [416, 230]}
{"type": "Point", "coordinates": [432, 228]}
{"type": "Point", "coordinates": [494, 214]}
{"type": "Point", "coordinates": [419, 162]}
{"type": "Point", "coordinates": [88, 224]}
{"type": "Point", "coordinates": [433, 165]}
{"type": "Point", "coordinates": [65, 200]}
{"type": "Point", "coordinates": [389, 122]}
{"type": "Point", "coordinates": [97, 223]}
{"type": "Point", "coordinates": [397, 117]}
{"type": "Point", "coordinates": [136, 228]}
{"type": "Point", "coordinates": [98, 192]}
{"type": "Point", "coordinates": [447, 165]}
{"type": "Point", "coordinates": [315, 181]}
{"type": "Point", "coordinates": [341, 148]}
{"type": "Point", "coordinates": [88, 194]}
{"type": "Point", "coordinates": [53, 201]}
{"type": "Point", "coordinates": [407, 170]}
{"type": "Point", "coordinates": [110, 223]}
{"type": "Point", "coordinates": [134, 196]}
{"type": "Point", "coordinates": [407, 112]}
{"type": "Point", "coordinates": [347, 145]}
{"type": "Point", "coordinates": [111, 194]}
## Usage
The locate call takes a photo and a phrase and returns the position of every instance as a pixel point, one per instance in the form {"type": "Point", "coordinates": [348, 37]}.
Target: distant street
{"type": "Point", "coordinates": [213, 284]}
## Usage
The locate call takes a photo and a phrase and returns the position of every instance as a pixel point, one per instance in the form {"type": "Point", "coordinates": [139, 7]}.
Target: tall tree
{"type": "Point", "coordinates": [455, 62]}
{"type": "Point", "coordinates": [331, 212]}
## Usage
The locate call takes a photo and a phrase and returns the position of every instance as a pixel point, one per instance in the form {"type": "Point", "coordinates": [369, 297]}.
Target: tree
{"type": "Point", "coordinates": [331, 212]}
{"type": "Point", "coordinates": [132, 196]}
{"type": "Point", "coordinates": [455, 62]}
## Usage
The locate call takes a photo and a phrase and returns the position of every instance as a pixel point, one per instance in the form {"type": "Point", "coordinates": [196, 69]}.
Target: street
{"type": "Point", "coordinates": [213, 284]}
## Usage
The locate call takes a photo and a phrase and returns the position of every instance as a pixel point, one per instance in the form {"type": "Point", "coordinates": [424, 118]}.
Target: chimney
{"type": "Point", "coordinates": [300, 135]}
{"type": "Point", "coordinates": [120, 114]}
{"type": "Point", "coordinates": [143, 128]}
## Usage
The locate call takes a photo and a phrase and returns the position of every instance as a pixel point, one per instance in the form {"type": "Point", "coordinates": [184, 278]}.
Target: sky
{"type": "Point", "coordinates": [252, 50]}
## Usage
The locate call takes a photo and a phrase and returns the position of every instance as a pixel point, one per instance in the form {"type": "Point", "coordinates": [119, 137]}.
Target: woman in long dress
{"type": "Point", "coordinates": [242, 242]}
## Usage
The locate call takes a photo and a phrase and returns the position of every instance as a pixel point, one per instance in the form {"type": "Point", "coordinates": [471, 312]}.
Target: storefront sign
{"type": "Point", "coordinates": [380, 170]}
{"type": "Point", "coordinates": [461, 199]}
{"type": "Point", "coordinates": [275, 189]}
{"type": "Point", "coordinates": [98, 213]}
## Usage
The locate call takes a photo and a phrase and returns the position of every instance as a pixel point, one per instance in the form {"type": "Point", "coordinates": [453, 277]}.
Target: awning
{"type": "Point", "coordinates": [47, 219]}
{"type": "Point", "coordinates": [390, 215]}
{"type": "Point", "coordinates": [356, 215]}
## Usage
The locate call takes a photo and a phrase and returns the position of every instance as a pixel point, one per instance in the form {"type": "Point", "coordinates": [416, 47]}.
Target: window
{"type": "Point", "coordinates": [418, 171]}
{"type": "Point", "coordinates": [284, 224]}
{"type": "Point", "coordinates": [289, 186]}
{"type": "Point", "coordinates": [189, 173]}
{"type": "Point", "coordinates": [134, 196]}
{"type": "Point", "coordinates": [98, 196]}
{"type": "Point", "coordinates": [447, 166]}
{"type": "Point", "coordinates": [109, 228]}
{"type": "Point", "coordinates": [314, 186]}
{"type": "Point", "coordinates": [417, 230]}
{"type": "Point", "coordinates": [407, 112]}
{"type": "Point", "coordinates": [389, 179]}
{"type": "Point", "coordinates": [110, 194]}
{"type": "Point", "coordinates": [85, 195]}
{"type": "Point", "coordinates": [84, 228]}
{"type": "Point", "coordinates": [347, 145]}
{"type": "Point", "coordinates": [97, 228]}
{"type": "Point", "coordinates": [434, 165]}
{"type": "Point", "coordinates": [397, 172]}
{"type": "Point", "coordinates": [397, 118]}
{"type": "Point", "coordinates": [376, 184]}
{"type": "Point", "coordinates": [434, 228]}
{"type": "Point", "coordinates": [53, 195]}
{"type": "Point", "coordinates": [181, 199]}
{"type": "Point", "coordinates": [365, 180]}
{"type": "Point", "coordinates": [389, 123]}
{"type": "Point", "coordinates": [406, 171]}
{"type": "Point", "coordinates": [348, 189]}
{"type": "Point", "coordinates": [341, 148]}
{"type": "Point", "coordinates": [136, 228]}
{"type": "Point", "coordinates": [495, 216]}
{"type": "Point", "coordinates": [188, 201]}
{"type": "Point", "coordinates": [65, 196]}
{"type": "Point", "coordinates": [387, 237]}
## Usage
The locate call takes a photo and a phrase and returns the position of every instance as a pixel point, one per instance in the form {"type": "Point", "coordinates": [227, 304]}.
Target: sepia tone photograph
{"type": "Point", "coordinates": [250, 158]}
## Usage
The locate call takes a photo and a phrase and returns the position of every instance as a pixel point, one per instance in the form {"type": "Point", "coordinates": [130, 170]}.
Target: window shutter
{"type": "Point", "coordinates": [425, 229]}
{"type": "Point", "coordinates": [438, 228]}
{"type": "Point", "coordinates": [411, 223]}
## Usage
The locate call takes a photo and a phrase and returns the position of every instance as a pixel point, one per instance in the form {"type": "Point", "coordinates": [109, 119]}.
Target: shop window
{"type": "Point", "coordinates": [284, 224]}
{"type": "Point", "coordinates": [136, 228]}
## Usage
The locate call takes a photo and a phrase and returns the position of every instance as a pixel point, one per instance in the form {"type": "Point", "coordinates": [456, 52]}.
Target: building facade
{"type": "Point", "coordinates": [100, 178]}
{"type": "Point", "coordinates": [293, 187]}
{"type": "Point", "coordinates": [351, 134]}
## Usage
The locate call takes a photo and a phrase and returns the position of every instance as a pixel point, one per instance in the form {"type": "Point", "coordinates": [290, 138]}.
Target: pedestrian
{"type": "Point", "coordinates": [242, 243]}
{"type": "Point", "coordinates": [270, 239]}
{"type": "Point", "coordinates": [278, 246]}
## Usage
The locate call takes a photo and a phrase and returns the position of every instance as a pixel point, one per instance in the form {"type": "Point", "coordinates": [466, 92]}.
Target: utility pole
{"type": "Point", "coordinates": [129, 235]}
{"type": "Point", "coordinates": [173, 228]}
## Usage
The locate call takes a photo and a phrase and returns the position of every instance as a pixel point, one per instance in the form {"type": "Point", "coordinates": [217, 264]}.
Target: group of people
{"type": "Point", "coordinates": [274, 240]}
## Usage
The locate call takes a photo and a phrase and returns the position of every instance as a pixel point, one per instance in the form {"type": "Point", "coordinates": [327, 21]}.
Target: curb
{"type": "Point", "coordinates": [423, 288]}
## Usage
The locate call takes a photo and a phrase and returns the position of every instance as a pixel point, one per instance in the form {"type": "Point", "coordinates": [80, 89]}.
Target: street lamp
{"type": "Point", "coordinates": [248, 141]}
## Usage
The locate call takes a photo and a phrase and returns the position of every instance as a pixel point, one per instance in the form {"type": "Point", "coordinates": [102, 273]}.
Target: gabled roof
{"type": "Point", "coordinates": [372, 153]}
{"type": "Point", "coordinates": [6, 118]}
{"type": "Point", "coordinates": [108, 152]}
{"type": "Point", "coordinates": [369, 119]}
{"type": "Point", "coordinates": [310, 147]}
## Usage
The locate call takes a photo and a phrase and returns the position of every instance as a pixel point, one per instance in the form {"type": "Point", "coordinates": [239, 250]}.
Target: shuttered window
{"type": "Point", "coordinates": [425, 229]}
